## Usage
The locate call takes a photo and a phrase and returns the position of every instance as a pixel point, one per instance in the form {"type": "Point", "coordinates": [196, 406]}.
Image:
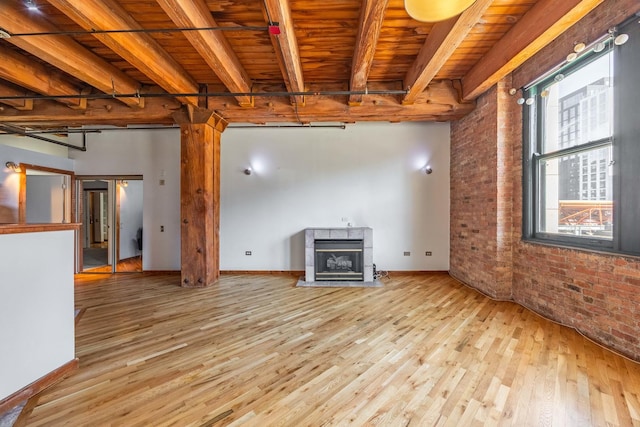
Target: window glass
{"type": "Point", "coordinates": [575, 185]}
{"type": "Point", "coordinates": [577, 200]}
{"type": "Point", "coordinates": [578, 108]}
{"type": "Point", "coordinates": [582, 149]}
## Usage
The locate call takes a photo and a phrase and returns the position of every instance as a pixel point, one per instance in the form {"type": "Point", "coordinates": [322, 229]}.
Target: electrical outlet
{"type": "Point", "coordinates": [248, 253]}
{"type": "Point", "coordinates": [428, 253]}
{"type": "Point", "coordinates": [162, 228]}
{"type": "Point", "coordinates": [407, 253]}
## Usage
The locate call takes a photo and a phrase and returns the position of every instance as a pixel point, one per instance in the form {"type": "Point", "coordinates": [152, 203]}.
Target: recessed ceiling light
{"type": "Point", "coordinates": [572, 56]}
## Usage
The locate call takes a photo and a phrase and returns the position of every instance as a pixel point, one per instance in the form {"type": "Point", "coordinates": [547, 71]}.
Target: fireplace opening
{"type": "Point", "coordinates": [339, 260]}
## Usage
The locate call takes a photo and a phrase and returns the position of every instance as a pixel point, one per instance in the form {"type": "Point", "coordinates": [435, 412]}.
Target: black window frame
{"type": "Point", "coordinates": [625, 143]}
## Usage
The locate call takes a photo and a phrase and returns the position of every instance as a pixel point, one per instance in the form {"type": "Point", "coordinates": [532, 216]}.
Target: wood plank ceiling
{"type": "Point", "coordinates": [124, 62]}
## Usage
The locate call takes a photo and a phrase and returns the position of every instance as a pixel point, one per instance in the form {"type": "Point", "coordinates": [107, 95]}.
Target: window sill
{"type": "Point", "coordinates": [568, 246]}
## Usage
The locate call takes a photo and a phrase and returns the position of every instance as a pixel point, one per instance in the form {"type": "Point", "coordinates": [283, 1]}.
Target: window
{"type": "Point", "coordinates": [582, 148]}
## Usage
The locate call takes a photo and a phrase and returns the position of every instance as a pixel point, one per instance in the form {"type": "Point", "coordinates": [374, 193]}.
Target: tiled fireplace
{"type": "Point", "coordinates": [345, 254]}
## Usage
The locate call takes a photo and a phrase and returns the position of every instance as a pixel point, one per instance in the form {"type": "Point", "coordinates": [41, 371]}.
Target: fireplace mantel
{"type": "Point", "coordinates": [344, 233]}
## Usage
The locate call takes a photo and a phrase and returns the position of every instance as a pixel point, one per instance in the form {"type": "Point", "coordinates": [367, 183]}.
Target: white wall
{"type": "Point", "coordinates": [10, 181]}
{"type": "Point", "coordinates": [156, 156]}
{"type": "Point", "coordinates": [30, 144]}
{"type": "Point", "coordinates": [370, 173]}
{"type": "Point", "coordinates": [36, 306]}
{"type": "Point", "coordinates": [45, 199]}
{"type": "Point", "coordinates": [131, 217]}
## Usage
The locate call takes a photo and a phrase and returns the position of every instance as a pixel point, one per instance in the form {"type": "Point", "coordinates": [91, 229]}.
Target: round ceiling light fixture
{"type": "Point", "coordinates": [434, 11]}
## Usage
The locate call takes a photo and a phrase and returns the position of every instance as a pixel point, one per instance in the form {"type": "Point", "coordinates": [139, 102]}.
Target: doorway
{"type": "Point", "coordinates": [111, 233]}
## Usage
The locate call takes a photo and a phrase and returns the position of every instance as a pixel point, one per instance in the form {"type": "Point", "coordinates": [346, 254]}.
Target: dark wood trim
{"type": "Point", "coordinates": [21, 421]}
{"type": "Point", "coordinates": [22, 191]}
{"type": "Point", "coordinates": [258, 272]}
{"type": "Point", "coordinates": [415, 272]}
{"type": "Point", "coordinates": [159, 271]}
{"type": "Point", "coordinates": [36, 228]}
{"type": "Point", "coordinates": [37, 386]}
{"type": "Point", "coordinates": [79, 219]}
{"type": "Point", "coordinates": [24, 166]}
{"type": "Point", "coordinates": [301, 272]}
{"type": "Point", "coordinates": [116, 224]}
{"type": "Point", "coordinates": [104, 177]}
{"type": "Point", "coordinates": [22, 195]}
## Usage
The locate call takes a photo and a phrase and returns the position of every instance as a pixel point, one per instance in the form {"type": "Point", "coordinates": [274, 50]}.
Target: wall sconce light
{"type": "Point", "coordinates": [579, 47]}
{"type": "Point", "coordinates": [124, 183]}
{"type": "Point", "coordinates": [428, 170]}
{"type": "Point", "coordinates": [621, 39]}
{"type": "Point", "coordinates": [13, 166]}
{"type": "Point", "coordinates": [248, 171]}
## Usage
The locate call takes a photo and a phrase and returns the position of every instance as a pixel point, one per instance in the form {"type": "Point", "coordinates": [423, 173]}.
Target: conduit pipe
{"type": "Point", "coordinates": [13, 130]}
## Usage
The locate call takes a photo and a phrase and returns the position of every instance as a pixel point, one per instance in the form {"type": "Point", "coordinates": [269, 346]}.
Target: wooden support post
{"type": "Point", "coordinates": [200, 196]}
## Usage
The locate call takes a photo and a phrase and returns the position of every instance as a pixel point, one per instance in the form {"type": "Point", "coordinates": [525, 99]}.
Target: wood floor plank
{"type": "Point", "coordinates": [423, 350]}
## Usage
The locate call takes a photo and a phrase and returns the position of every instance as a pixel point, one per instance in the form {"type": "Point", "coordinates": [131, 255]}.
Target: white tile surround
{"type": "Point", "coordinates": [349, 233]}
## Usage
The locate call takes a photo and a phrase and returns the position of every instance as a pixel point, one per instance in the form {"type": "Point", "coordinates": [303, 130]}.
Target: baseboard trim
{"type": "Point", "coordinates": [37, 386]}
{"type": "Point", "coordinates": [295, 273]}
{"type": "Point", "coordinates": [160, 271]}
{"type": "Point", "coordinates": [301, 273]}
{"type": "Point", "coordinates": [416, 272]}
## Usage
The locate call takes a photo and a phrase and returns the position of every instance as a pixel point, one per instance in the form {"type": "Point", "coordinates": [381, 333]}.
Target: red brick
{"type": "Point", "coordinates": [486, 189]}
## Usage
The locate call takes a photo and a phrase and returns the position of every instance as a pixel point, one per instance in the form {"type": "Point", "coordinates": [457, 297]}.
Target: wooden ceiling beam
{"type": "Point", "coordinates": [211, 45]}
{"type": "Point", "coordinates": [285, 45]}
{"type": "Point", "coordinates": [443, 39]}
{"type": "Point", "coordinates": [546, 20]}
{"type": "Point", "coordinates": [63, 52]}
{"type": "Point", "coordinates": [18, 104]}
{"type": "Point", "coordinates": [98, 112]}
{"type": "Point", "coordinates": [139, 49]}
{"type": "Point", "coordinates": [439, 102]}
{"type": "Point", "coordinates": [25, 72]}
{"type": "Point", "coordinates": [371, 17]}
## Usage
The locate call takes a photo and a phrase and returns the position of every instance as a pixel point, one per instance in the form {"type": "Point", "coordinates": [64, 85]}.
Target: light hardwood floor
{"type": "Point", "coordinates": [255, 350]}
{"type": "Point", "coordinates": [129, 265]}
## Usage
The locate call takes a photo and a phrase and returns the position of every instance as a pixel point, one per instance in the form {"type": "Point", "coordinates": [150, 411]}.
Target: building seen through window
{"type": "Point", "coordinates": [578, 110]}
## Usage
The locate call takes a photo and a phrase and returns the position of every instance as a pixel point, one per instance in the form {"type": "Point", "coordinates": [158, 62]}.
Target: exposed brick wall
{"type": "Point", "coordinates": [598, 294]}
{"type": "Point", "coordinates": [480, 249]}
